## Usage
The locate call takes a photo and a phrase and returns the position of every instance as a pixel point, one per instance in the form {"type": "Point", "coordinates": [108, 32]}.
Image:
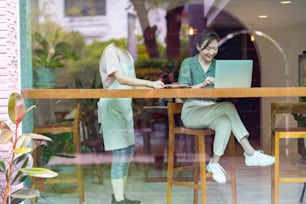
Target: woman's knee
{"type": "Point", "coordinates": [223, 122]}
{"type": "Point", "coordinates": [228, 105]}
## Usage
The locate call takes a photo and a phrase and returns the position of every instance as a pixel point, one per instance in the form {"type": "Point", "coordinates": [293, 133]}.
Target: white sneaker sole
{"type": "Point", "coordinates": [261, 165]}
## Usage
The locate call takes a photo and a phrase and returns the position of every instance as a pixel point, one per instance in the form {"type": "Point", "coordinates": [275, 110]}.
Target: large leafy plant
{"type": "Point", "coordinates": [53, 54]}
{"type": "Point", "coordinates": [20, 154]}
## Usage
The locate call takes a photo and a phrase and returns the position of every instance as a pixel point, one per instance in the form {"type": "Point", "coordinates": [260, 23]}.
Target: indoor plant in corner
{"type": "Point", "coordinates": [47, 56]}
{"type": "Point", "coordinates": [15, 156]}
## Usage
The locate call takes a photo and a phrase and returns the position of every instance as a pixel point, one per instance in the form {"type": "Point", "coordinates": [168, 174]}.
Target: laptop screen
{"type": "Point", "coordinates": [233, 73]}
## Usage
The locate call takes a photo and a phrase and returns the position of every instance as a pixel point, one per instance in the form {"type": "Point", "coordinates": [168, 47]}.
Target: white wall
{"type": "Point", "coordinates": [9, 54]}
{"type": "Point", "coordinates": [279, 67]}
{"type": "Point", "coordinates": [275, 73]}
{"type": "Point", "coordinates": [111, 26]}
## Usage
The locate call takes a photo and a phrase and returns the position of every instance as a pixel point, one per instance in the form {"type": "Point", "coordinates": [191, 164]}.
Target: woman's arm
{"type": "Point", "coordinates": [125, 80]}
{"type": "Point", "coordinates": [205, 83]}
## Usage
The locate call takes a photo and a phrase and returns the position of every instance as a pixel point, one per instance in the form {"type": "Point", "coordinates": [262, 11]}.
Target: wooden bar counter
{"type": "Point", "coordinates": [165, 93]}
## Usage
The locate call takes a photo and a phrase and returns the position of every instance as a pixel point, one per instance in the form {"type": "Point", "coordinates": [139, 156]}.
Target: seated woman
{"type": "Point", "coordinates": [198, 71]}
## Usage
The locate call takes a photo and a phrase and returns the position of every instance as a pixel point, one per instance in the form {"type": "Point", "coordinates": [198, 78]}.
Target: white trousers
{"type": "Point", "coordinates": [222, 117]}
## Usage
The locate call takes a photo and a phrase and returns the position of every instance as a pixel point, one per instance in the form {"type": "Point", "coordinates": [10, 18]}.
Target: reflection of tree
{"type": "Point", "coordinates": [173, 32]}
{"type": "Point", "coordinates": [174, 9]}
{"type": "Point", "coordinates": [150, 41]}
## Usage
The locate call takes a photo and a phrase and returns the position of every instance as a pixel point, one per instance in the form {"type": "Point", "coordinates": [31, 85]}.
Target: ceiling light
{"type": "Point", "coordinates": [262, 16]}
{"type": "Point", "coordinates": [286, 2]}
{"type": "Point", "coordinates": [191, 31]}
{"type": "Point", "coordinates": [253, 38]}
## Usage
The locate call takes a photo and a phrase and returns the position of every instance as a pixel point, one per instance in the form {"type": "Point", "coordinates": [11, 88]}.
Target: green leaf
{"type": "Point", "coordinates": [35, 136]}
{"type": "Point", "coordinates": [41, 40]}
{"type": "Point", "coordinates": [39, 172]}
{"type": "Point", "coordinates": [6, 135]}
{"type": "Point", "coordinates": [16, 108]}
{"type": "Point", "coordinates": [20, 158]}
{"type": "Point", "coordinates": [41, 54]}
{"type": "Point", "coordinates": [26, 193]}
{"type": "Point", "coordinates": [13, 99]}
{"type": "Point", "coordinates": [18, 175]}
{"type": "Point", "coordinates": [2, 165]}
{"type": "Point", "coordinates": [55, 37]}
{"type": "Point", "coordinates": [23, 141]}
{"type": "Point", "coordinates": [23, 178]}
{"type": "Point", "coordinates": [22, 150]}
{"type": "Point", "coordinates": [24, 113]}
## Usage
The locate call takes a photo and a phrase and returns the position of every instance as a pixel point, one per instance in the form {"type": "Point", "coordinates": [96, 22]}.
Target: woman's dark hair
{"type": "Point", "coordinates": [165, 76]}
{"type": "Point", "coordinates": [208, 36]}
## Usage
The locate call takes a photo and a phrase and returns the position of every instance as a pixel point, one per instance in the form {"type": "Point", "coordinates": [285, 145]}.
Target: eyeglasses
{"type": "Point", "coordinates": [208, 48]}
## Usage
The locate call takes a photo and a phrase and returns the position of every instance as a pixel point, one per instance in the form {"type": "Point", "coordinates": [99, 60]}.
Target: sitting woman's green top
{"type": "Point", "coordinates": [191, 73]}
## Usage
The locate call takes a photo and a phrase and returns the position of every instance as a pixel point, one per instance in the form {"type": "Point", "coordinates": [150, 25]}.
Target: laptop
{"type": "Point", "coordinates": [233, 73]}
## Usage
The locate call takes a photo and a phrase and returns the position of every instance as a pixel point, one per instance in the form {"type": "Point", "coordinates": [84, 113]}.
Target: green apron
{"type": "Point", "coordinates": [116, 115]}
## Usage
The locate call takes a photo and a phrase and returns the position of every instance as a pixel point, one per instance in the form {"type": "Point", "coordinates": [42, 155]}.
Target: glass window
{"type": "Point", "coordinates": [85, 8]}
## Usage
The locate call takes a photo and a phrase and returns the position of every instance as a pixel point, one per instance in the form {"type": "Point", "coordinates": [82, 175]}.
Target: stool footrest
{"type": "Point", "coordinates": [298, 172]}
{"type": "Point", "coordinates": [292, 180]}
{"type": "Point", "coordinates": [183, 168]}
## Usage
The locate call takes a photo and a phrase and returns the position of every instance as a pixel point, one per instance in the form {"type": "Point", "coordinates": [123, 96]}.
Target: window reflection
{"type": "Point", "coordinates": [84, 8]}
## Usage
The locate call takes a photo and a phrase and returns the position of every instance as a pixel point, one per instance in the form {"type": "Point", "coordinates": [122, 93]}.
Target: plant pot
{"type": "Point", "coordinates": [44, 77]}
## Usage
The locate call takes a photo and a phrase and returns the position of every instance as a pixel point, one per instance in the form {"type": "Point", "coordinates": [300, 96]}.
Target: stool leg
{"type": "Point", "coordinates": [196, 170]}
{"type": "Point", "coordinates": [275, 183]}
{"type": "Point", "coordinates": [99, 173]}
{"type": "Point", "coordinates": [170, 165]}
{"type": "Point", "coordinates": [80, 183]}
{"type": "Point", "coordinates": [273, 168]}
{"type": "Point", "coordinates": [303, 192]}
{"type": "Point", "coordinates": [202, 161]}
{"type": "Point", "coordinates": [233, 168]}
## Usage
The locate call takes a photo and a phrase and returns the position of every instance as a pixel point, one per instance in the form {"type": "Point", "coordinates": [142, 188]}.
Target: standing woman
{"type": "Point", "coordinates": [116, 115]}
{"type": "Point", "coordinates": [199, 72]}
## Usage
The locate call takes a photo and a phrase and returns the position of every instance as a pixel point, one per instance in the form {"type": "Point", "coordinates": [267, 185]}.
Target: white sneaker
{"type": "Point", "coordinates": [259, 159]}
{"type": "Point", "coordinates": [218, 173]}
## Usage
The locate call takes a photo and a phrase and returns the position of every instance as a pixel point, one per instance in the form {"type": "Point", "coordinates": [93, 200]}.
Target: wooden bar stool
{"type": "Point", "coordinates": [75, 177]}
{"type": "Point", "coordinates": [199, 166]}
{"type": "Point", "coordinates": [278, 175]}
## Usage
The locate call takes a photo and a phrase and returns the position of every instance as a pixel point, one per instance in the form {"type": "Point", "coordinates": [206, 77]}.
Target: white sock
{"type": "Point", "coordinates": [124, 183]}
{"type": "Point", "coordinates": [215, 159]}
{"type": "Point", "coordinates": [118, 189]}
{"type": "Point", "coordinates": [246, 146]}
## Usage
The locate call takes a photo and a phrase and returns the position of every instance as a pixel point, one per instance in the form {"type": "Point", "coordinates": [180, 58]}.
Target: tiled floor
{"type": "Point", "coordinates": [253, 184]}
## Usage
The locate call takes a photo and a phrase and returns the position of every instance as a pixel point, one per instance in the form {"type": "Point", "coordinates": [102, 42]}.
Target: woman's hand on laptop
{"type": "Point", "coordinates": [207, 81]}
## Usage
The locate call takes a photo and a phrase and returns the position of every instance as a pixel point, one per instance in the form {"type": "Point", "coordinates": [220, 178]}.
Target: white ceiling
{"type": "Point", "coordinates": [247, 11]}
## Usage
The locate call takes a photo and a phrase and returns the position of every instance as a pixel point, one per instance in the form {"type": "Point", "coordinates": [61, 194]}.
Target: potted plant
{"type": "Point", "coordinates": [49, 56]}
{"type": "Point", "coordinates": [15, 156]}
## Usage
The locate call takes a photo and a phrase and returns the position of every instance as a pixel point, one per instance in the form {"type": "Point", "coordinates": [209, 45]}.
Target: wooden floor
{"type": "Point", "coordinates": [253, 183]}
